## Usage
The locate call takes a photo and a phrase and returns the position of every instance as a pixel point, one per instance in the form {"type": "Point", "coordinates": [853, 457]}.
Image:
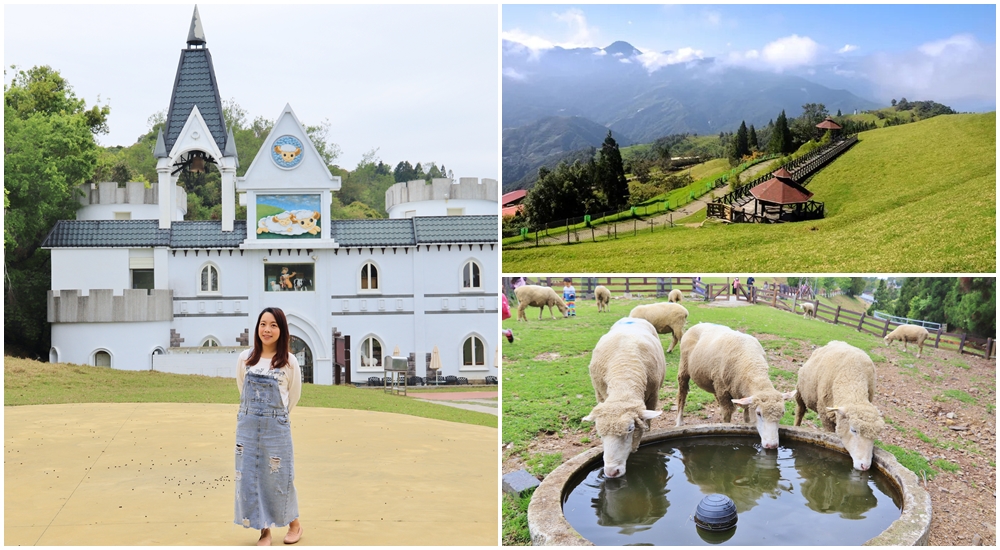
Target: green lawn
{"type": "Point", "coordinates": [544, 393]}
{"type": "Point", "coordinates": [919, 197]}
{"type": "Point", "coordinates": [28, 382]}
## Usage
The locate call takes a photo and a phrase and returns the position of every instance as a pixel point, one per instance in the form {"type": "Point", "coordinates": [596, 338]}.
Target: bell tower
{"type": "Point", "coordinates": [195, 135]}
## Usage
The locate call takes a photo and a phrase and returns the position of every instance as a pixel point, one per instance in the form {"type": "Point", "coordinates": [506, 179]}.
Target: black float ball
{"type": "Point", "coordinates": [716, 513]}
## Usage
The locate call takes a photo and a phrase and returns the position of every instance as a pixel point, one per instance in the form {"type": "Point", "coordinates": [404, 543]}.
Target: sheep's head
{"type": "Point", "coordinates": [620, 425]}
{"type": "Point", "coordinates": [858, 426]}
{"type": "Point", "coordinates": [768, 407]}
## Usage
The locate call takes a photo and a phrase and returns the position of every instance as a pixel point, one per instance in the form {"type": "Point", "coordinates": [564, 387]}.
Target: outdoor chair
{"type": "Point", "coordinates": [492, 380]}
{"type": "Point", "coordinates": [463, 381]}
{"type": "Point", "coordinates": [450, 380]}
{"type": "Point", "coordinates": [374, 381]}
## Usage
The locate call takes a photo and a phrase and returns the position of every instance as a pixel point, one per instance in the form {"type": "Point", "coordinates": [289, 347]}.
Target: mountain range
{"type": "Point", "coordinates": [612, 88]}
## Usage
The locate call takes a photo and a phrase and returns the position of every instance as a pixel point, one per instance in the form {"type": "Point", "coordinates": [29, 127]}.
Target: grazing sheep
{"type": "Point", "coordinates": [838, 382]}
{"type": "Point", "coordinates": [908, 333]}
{"type": "Point", "coordinates": [732, 366]}
{"type": "Point", "coordinates": [538, 296]}
{"type": "Point", "coordinates": [674, 296]}
{"type": "Point", "coordinates": [626, 369]}
{"type": "Point", "coordinates": [603, 296]}
{"type": "Point", "coordinates": [665, 318]}
{"type": "Point", "coordinates": [809, 309]}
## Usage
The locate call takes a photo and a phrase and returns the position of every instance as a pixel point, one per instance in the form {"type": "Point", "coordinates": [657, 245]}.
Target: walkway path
{"type": "Point", "coordinates": [162, 474]}
{"type": "Point", "coordinates": [479, 401]}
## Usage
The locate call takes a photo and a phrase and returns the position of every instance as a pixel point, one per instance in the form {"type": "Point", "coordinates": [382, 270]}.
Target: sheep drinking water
{"type": "Point", "coordinates": [838, 382]}
{"type": "Point", "coordinates": [626, 369]}
{"type": "Point", "coordinates": [732, 366]}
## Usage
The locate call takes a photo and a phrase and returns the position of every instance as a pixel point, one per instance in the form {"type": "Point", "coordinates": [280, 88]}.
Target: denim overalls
{"type": "Point", "coordinates": [265, 468]}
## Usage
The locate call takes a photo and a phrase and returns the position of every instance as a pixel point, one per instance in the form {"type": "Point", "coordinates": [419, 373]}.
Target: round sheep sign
{"type": "Point", "coordinates": [286, 152]}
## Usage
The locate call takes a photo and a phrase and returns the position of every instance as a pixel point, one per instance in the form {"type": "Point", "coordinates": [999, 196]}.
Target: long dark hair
{"type": "Point", "coordinates": [281, 352]}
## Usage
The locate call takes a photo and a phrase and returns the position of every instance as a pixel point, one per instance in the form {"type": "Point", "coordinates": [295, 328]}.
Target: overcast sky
{"type": "Point", "coordinates": [945, 53]}
{"type": "Point", "coordinates": [420, 83]}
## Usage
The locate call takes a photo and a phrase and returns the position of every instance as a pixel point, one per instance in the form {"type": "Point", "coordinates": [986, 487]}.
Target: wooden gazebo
{"type": "Point", "coordinates": [783, 199]}
{"type": "Point", "coordinates": [829, 124]}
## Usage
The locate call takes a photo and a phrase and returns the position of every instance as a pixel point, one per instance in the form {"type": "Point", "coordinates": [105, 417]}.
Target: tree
{"type": "Point", "coordinates": [49, 150]}
{"type": "Point", "coordinates": [838, 113]}
{"type": "Point", "coordinates": [741, 145]}
{"type": "Point", "coordinates": [894, 102]}
{"type": "Point", "coordinates": [781, 137]}
{"type": "Point", "coordinates": [611, 174]}
{"type": "Point", "coordinates": [404, 172]}
{"type": "Point", "coordinates": [804, 127]}
{"type": "Point", "coordinates": [752, 140]}
{"type": "Point", "coordinates": [558, 194]}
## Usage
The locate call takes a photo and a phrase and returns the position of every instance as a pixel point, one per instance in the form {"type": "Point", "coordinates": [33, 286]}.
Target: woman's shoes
{"type": "Point", "coordinates": [265, 538]}
{"type": "Point", "coordinates": [292, 538]}
{"type": "Point", "coordinates": [509, 334]}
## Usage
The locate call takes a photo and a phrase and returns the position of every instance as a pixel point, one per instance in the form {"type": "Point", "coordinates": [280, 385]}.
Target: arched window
{"type": "Point", "coordinates": [102, 359]}
{"type": "Point", "coordinates": [473, 352]}
{"type": "Point", "coordinates": [471, 279]}
{"type": "Point", "coordinates": [369, 276]}
{"type": "Point", "coordinates": [208, 282]}
{"type": "Point", "coordinates": [371, 353]}
{"type": "Point", "coordinates": [210, 342]}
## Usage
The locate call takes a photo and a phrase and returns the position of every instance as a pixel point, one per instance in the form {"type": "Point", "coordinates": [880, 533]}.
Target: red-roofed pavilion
{"type": "Point", "coordinates": [781, 198]}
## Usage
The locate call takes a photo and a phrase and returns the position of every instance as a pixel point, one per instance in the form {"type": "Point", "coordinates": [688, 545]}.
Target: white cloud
{"type": "Point", "coordinates": [512, 73]}
{"type": "Point", "coordinates": [958, 68]}
{"type": "Point", "coordinates": [960, 44]}
{"type": "Point", "coordinates": [783, 53]}
{"type": "Point", "coordinates": [656, 60]}
{"type": "Point", "coordinates": [528, 40]}
{"type": "Point", "coordinates": [713, 18]}
{"type": "Point", "coordinates": [847, 48]}
{"type": "Point", "coordinates": [578, 34]}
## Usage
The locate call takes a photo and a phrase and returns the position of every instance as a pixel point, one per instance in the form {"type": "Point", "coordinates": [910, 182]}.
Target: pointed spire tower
{"type": "Point", "coordinates": [195, 134]}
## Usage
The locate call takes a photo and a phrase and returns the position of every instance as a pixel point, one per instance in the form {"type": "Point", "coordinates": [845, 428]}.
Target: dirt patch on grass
{"type": "Point", "coordinates": [547, 356]}
{"type": "Point", "coordinates": [943, 406]}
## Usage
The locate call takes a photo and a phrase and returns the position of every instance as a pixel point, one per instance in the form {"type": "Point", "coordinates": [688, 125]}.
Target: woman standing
{"type": "Point", "coordinates": [270, 383]}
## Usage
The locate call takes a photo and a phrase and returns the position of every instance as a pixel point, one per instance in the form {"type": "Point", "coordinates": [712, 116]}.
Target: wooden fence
{"type": "Point", "coordinates": [862, 322]}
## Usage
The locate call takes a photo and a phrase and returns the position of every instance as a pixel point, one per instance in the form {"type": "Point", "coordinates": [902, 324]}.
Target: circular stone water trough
{"type": "Point", "coordinates": [548, 524]}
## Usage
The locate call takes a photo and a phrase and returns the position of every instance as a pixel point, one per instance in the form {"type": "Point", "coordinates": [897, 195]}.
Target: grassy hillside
{"type": "Point", "coordinates": [28, 382]}
{"type": "Point", "coordinates": [919, 197]}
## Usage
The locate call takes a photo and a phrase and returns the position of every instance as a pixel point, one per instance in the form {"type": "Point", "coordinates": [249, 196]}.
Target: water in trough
{"type": "Point", "coordinates": [799, 494]}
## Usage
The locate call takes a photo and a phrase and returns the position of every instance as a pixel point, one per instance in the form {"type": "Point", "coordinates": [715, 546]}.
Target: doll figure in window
{"type": "Point", "coordinates": [286, 279]}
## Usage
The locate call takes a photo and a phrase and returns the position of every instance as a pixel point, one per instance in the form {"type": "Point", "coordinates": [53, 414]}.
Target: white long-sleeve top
{"type": "Point", "coordinates": [289, 385]}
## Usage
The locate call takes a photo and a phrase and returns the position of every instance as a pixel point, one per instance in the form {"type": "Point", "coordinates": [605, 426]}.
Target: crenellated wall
{"type": "Point", "coordinates": [102, 306]}
{"type": "Point", "coordinates": [100, 201]}
{"type": "Point", "coordinates": [475, 196]}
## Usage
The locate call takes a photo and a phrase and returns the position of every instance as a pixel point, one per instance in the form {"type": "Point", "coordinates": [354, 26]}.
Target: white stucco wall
{"type": "Point", "coordinates": [87, 268]}
{"type": "Point", "coordinates": [130, 344]}
{"type": "Point", "coordinates": [206, 364]}
{"type": "Point", "coordinates": [440, 208]}
{"type": "Point", "coordinates": [107, 211]}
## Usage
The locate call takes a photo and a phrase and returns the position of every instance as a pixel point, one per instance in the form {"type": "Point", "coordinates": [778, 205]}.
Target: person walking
{"type": "Point", "coordinates": [569, 296]}
{"type": "Point", "coordinates": [270, 384]}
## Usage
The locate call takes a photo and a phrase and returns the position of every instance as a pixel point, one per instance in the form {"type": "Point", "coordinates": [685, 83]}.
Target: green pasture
{"type": "Point", "coordinates": [546, 383]}
{"type": "Point", "coordinates": [28, 382]}
{"type": "Point", "coordinates": [918, 197]}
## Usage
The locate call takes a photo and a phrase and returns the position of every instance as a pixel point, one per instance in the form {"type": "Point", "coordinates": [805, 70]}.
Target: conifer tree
{"type": "Point", "coordinates": [611, 174]}
{"type": "Point", "coordinates": [752, 140]}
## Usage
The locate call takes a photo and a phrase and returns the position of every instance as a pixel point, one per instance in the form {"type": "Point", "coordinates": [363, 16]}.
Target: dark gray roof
{"type": "Point", "coordinates": [206, 234]}
{"type": "Point", "coordinates": [107, 233]}
{"type": "Point", "coordinates": [209, 234]}
{"type": "Point", "coordinates": [195, 84]}
{"type": "Point", "coordinates": [373, 232]}
{"type": "Point", "coordinates": [143, 233]}
{"type": "Point", "coordinates": [456, 229]}
{"type": "Point", "coordinates": [418, 230]}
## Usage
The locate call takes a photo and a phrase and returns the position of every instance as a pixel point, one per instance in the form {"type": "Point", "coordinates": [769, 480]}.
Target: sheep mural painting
{"type": "Point", "coordinates": [537, 296]}
{"type": "Point", "coordinates": [626, 369]}
{"type": "Point", "coordinates": [838, 382]}
{"type": "Point", "coordinates": [603, 297]}
{"type": "Point", "coordinates": [732, 366]}
{"type": "Point", "coordinates": [665, 318]}
{"type": "Point", "coordinates": [908, 333]}
{"type": "Point", "coordinates": [675, 296]}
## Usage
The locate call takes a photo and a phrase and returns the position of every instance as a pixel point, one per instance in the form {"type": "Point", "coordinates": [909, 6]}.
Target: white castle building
{"type": "Point", "coordinates": [136, 287]}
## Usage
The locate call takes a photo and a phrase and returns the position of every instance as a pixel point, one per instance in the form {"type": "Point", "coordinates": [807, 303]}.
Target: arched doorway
{"type": "Point", "coordinates": [305, 357]}
{"type": "Point", "coordinates": [102, 359]}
